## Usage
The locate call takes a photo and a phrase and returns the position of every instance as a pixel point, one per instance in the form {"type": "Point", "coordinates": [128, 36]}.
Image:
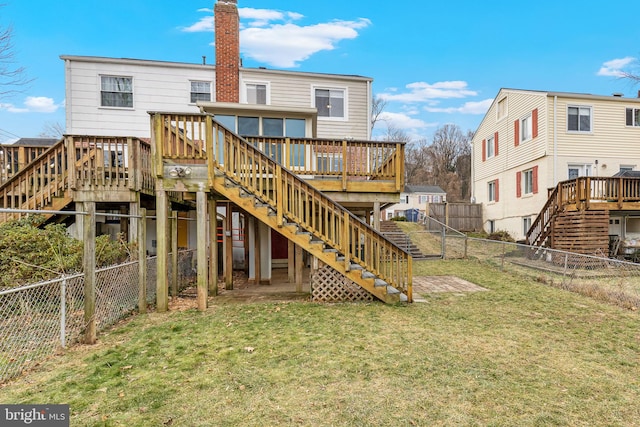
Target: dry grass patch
{"type": "Point", "coordinates": [523, 354]}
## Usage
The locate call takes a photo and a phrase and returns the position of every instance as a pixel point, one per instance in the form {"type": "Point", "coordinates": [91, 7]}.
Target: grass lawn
{"type": "Point", "coordinates": [522, 354]}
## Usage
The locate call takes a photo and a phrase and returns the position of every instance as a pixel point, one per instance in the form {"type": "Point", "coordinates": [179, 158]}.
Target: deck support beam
{"type": "Point", "coordinates": [213, 247]}
{"type": "Point", "coordinates": [162, 297]}
{"type": "Point", "coordinates": [203, 277]}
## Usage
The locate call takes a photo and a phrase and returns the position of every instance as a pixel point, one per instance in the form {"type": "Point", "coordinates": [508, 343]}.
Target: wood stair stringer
{"type": "Point", "coordinates": [310, 243]}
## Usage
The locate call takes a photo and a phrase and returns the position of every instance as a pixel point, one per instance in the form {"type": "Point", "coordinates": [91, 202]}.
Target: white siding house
{"type": "Point", "coordinates": [415, 197]}
{"type": "Point", "coordinates": [529, 141]}
{"type": "Point", "coordinates": [112, 97]}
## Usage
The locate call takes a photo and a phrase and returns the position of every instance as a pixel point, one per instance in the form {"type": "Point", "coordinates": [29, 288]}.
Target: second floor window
{"type": "Point", "coordinates": [633, 116]}
{"type": "Point", "coordinates": [200, 91]}
{"type": "Point", "coordinates": [116, 91]}
{"type": "Point", "coordinates": [330, 102]}
{"type": "Point", "coordinates": [579, 119]}
{"type": "Point", "coordinates": [256, 94]}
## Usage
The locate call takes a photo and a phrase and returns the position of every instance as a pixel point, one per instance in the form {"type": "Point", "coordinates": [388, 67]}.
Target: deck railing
{"type": "Point", "coordinates": [83, 163]}
{"type": "Point", "coordinates": [38, 184]}
{"type": "Point", "coordinates": [582, 193]}
{"type": "Point", "coordinates": [179, 140]}
{"type": "Point", "coordinates": [13, 159]}
{"type": "Point", "coordinates": [339, 159]}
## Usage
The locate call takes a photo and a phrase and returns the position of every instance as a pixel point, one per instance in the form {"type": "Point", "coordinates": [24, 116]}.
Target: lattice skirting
{"type": "Point", "coordinates": [328, 285]}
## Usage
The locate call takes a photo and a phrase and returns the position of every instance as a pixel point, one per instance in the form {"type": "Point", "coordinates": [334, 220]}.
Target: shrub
{"type": "Point", "coordinates": [30, 254]}
{"type": "Point", "coordinates": [501, 235]}
{"type": "Point", "coordinates": [398, 218]}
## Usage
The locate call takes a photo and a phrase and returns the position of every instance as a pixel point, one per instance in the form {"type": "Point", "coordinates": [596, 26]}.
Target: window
{"type": "Point", "coordinates": [526, 224]}
{"type": "Point", "coordinates": [526, 129]}
{"type": "Point", "coordinates": [575, 171]}
{"type": "Point", "coordinates": [633, 116]}
{"type": "Point", "coordinates": [579, 119]}
{"type": "Point", "coordinates": [330, 102]}
{"type": "Point", "coordinates": [493, 191]}
{"type": "Point", "coordinates": [423, 198]}
{"type": "Point", "coordinates": [256, 93]}
{"type": "Point", "coordinates": [329, 163]}
{"type": "Point", "coordinates": [116, 91]}
{"type": "Point", "coordinates": [624, 168]}
{"type": "Point", "coordinates": [490, 147]}
{"type": "Point", "coordinates": [502, 108]}
{"type": "Point", "coordinates": [200, 91]}
{"type": "Point", "coordinates": [528, 181]}
{"type": "Point", "coordinates": [249, 126]}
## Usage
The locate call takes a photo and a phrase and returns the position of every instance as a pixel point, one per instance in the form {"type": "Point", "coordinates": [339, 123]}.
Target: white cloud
{"type": "Point", "coordinates": [285, 45]}
{"type": "Point", "coordinates": [403, 121]}
{"type": "Point", "coordinates": [271, 37]}
{"type": "Point", "coordinates": [33, 104]}
{"type": "Point", "coordinates": [423, 92]}
{"type": "Point", "coordinates": [471, 107]}
{"type": "Point", "coordinates": [615, 67]}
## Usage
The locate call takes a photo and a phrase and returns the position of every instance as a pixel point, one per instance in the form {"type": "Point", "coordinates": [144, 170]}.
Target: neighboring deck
{"type": "Point", "coordinates": [575, 216]}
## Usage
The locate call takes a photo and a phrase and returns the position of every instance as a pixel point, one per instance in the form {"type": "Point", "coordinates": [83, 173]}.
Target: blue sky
{"type": "Point", "coordinates": [434, 62]}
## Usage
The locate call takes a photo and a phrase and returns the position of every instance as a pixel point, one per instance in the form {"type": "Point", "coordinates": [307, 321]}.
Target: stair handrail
{"type": "Point", "coordinates": [292, 198]}
{"type": "Point", "coordinates": [38, 187]}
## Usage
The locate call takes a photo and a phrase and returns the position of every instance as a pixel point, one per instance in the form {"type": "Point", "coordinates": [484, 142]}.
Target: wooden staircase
{"type": "Point", "coordinates": [393, 232]}
{"type": "Point", "coordinates": [255, 182]}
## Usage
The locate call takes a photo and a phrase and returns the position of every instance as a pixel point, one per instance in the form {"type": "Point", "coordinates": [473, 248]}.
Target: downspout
{"type": "Point", "coordinates": [473, 173]}
{"type": "Point", "coordinates": [555, 141]}
{"type": "Point", "coordinates": [369, 105]}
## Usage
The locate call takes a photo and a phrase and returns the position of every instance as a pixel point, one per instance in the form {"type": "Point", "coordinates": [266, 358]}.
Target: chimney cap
{"type": "Point", "coordinates": [228, 1]}
{"type": "Point", "coordinates": [618, 94]}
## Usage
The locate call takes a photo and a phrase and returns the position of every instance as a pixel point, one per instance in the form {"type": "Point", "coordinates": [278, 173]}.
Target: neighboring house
{"type": "Point", "coordinates": [529, 141]}
{"type": "Point", "coordinates": [415, 197]}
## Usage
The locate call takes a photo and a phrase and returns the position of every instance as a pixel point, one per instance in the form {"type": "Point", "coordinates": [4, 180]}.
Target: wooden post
{"type": "Point", "coordinates": [410, 279]}
{"type": "Point", "coordinates": [345, 241]}
{"type": "Point", "coordinates": [162, 297]}
{"type": "Point", "coordinates": [203, 279]}
{"type": "Point", "coordinates": [142, 260]}
{"type": "Point", "coordinates": [291, 261]}
{"type": "Point", "coordinates": [213, 247]}
{"type": "Point", "coordinates": [71, 161]}
{"type": "Point", "coordinates": [89, 232]}
{"type": "Point", "coordinates": [157, 144]}
{"type": "Point", "coordinates": [174, 254]}
{"type": "Point", "coordinates": [376, 216]}
{"type": "Point", "coordinates": [344, 165]}
{"type": "Point", "coordinates": [228, 239]}
{"type": "Point", "coordinates": [299, 268]}
{"type": "Point", "coordinates": [257, 257]}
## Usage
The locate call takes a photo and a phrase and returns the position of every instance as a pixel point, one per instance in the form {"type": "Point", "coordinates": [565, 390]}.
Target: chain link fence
{"type": "Point", "coordinates": [38, 319]}
{"type": "Point", "coordinates": [612, 280]}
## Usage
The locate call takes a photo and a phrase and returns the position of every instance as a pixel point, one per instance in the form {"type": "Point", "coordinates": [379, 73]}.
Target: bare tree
{"type": "Point", "coordinates": [450, 159]}
{"type": "Point", "coordinates": [417, 164]}
{"type": "Point", "coordinates": [377, 107]}
{"type": "Point", "coordinates": [12, 77]}
{"type": "Point", "coordinates": [52, 130]}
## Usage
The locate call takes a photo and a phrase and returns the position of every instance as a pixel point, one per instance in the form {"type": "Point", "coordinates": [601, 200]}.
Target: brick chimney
{"type": "Point", "coordinates": [227, 40]}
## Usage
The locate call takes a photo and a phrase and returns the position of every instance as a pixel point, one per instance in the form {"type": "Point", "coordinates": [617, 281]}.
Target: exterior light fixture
{"type": "Point", "coordinates": [180, 172]}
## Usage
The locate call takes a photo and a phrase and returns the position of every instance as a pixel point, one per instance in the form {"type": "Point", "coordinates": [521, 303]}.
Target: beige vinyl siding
{"type": "Point", "coordinates": [156, 87]}
{"type": "Point", "coordinates": [297, 90]}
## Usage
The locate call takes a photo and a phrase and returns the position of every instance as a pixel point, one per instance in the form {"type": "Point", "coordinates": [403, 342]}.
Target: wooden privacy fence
{"type": "Point", "coordinates": [459, 216]}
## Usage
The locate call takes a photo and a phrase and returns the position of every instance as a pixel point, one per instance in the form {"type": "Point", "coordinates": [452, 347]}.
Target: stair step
{"type": "Point", "coordinates": [327, 250]}
{"type": "Point", "coordinates": [379, 283]}
{"type": "Point", "coordinates": [368, 275]}
{"type": "Point", "coordinates": [392, 291]}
